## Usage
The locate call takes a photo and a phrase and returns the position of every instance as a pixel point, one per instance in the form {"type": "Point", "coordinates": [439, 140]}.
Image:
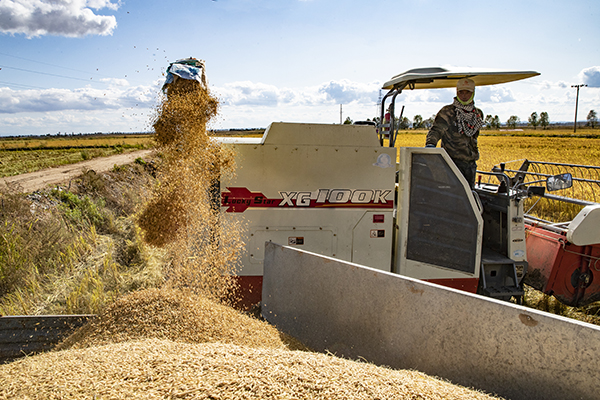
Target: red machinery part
{"type": "Point", "coordinates": [569, 272]}
{"type": "Point", "coordinates": [466, 284]}
{"type": "Point", "coordinates": [248, 292]}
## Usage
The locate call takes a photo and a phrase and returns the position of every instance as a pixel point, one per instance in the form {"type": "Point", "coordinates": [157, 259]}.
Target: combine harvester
{"type": "Point", "coordinates": [338, 190]}
{"type": "Point", "coordinates": [349, 240]}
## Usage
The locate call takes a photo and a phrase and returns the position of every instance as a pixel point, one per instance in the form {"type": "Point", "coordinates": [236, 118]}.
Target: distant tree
{"type": "Point", "coordinates": [533, 120]}
{"type": "Point", "coordinates": [512, 121]}
{"type": "Point", "coordinates": [488, 121]}
{"type": "Point", "coordinates": [592, 119]}
{"type": "Point", "coordinates": [496, 122]}
{"type": "Point", "coordinates": [544, 120]}
{"type": "Point", "coordinates": [348, 121]}
{"type": "Point", "coordinates": [428, 123]}
{"type": "Point", "coordinates": [404, 124]}
{"type": "Point", "coordinates": [417, 122]}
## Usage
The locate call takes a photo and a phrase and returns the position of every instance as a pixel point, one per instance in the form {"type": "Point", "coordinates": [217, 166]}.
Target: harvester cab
{"type": "Point", "coordinates": [502, 259]}
{"type": "Point", "coordinates": [346, 192]}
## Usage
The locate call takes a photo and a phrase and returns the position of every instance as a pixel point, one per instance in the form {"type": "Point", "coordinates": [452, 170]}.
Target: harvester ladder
{"type": "Point", "coordinates": [499, 276]}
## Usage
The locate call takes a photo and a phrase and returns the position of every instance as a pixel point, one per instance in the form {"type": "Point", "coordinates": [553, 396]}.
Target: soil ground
{"type": "Point", "coordinates": [38, 180]}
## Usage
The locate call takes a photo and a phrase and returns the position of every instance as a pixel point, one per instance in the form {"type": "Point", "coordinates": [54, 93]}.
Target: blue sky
{"type": "Point", "coordinates": [98, 65]}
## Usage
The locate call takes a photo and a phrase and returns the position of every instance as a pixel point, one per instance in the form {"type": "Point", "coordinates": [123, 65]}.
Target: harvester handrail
{"type": "Point", "coordinates": [565, 164]}
{"type": "Point", "coordinates": [502, 175]}
{"type": "Point", "coordinates": [514, 191]}
{"type": "Point", "coordinates": [569, 200]}
{"type": "Point", "coordinates": [549, 175]}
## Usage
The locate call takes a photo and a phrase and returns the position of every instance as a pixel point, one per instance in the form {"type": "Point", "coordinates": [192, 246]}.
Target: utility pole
{"type": "Point", "coordinates": [379, 105]}
{"type": "Point", "coordinates": [340, 114]}
{"type": "Point", "coordinates": [576, 105]}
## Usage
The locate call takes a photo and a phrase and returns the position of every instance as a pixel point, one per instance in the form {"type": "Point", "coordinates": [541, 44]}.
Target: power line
{"type": "Point", "coordinates": [18, 85]}
{"type": "Point", "coordinates": [47, 73]}
{"type": "Point", "coordinates": [61, 67]}
{"type": "Point", "coordinates": [53, 65]}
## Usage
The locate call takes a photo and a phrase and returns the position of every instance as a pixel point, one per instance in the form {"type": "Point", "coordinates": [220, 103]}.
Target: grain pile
{"type": "Point", "coordinates": [184, 214]}
{"type": "Point", "coordinates": [164, 369]}
{"type": "Point", "coordinates": [177, 315]}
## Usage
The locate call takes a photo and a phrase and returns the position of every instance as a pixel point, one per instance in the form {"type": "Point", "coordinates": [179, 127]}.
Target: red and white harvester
{"type": "Point", "coordinates": [347, 192]}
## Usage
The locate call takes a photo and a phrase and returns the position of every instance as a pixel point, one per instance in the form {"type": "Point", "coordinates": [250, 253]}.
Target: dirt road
{"type": "Point", "coordinates": [33, 181]}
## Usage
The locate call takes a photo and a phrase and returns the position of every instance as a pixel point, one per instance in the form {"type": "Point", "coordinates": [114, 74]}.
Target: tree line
{"type": "Point", "coordinates": [491, 122]}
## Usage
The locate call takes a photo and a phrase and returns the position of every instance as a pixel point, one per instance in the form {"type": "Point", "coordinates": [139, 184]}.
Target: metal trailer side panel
{"type": "Point", "coordinates": [22, 335]}
{"type": "Point", "coordinates": [387, 319]}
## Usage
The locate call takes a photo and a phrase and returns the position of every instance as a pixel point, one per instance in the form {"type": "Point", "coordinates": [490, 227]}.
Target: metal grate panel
{"type": "Point", "coordinates": [442, 228]}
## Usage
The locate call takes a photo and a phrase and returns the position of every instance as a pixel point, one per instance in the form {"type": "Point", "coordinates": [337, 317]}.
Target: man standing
{"type": "Point", "coordinates": [457, 126]}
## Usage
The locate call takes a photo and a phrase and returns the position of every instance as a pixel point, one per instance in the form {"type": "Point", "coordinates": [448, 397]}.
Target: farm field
{"type": "Point", "coordinates": [30, 154]}
{"type": "Point", "coordinates": [21, 155]}
{"type": "Point", "coordinates": [86, 254]}
{"type": "Point", "coordinates": [499, 146]}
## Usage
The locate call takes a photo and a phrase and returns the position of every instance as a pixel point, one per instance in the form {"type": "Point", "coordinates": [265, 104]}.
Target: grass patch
{"type": "Point", "coordinates": [545, 302]}
{"type": "Point", "coordinates": [23, 161]}
{"type": "Point", "coordinates": [73, 251]}
{"type": "Point", "coordinates": [68, 142]}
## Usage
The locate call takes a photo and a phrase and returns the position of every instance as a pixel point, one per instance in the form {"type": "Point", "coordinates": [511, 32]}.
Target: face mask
{"type": "Point", "coordinates": [464, 103]}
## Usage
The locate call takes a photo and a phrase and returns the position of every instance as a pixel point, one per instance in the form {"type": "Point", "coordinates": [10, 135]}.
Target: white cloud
{"type": "Point", "coordinates": [120, 107]}
{"type": "Point", "coordinates": [345, 92]}
{"type": "Point", "coordinates": [439, 96]}
{"type": "Point", "coordinates": [260, 94]}
{"type": "Point", "coordinates": [249, 93]}
{"type": "Point", "coordinates": [21, 101]}
{"type": "Point", "coordinates": [591, 76]}
{"type": "Point", "coordinates": [72, 18]}
{"type": "Point", "coordinates": [115, 81]}
{"type": "Point", "coordinates": [494, 94]}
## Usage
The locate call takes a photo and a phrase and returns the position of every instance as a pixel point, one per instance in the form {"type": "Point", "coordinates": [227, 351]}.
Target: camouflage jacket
{"type": "Point", "coordinates": [458, 146]}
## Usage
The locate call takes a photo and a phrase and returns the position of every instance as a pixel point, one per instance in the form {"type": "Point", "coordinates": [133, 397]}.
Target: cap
{"type": "Point", "coordinates": [465, 84]}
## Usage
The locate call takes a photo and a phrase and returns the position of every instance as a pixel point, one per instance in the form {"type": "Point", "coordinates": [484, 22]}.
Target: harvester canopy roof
{"type": "Point", "coordinates": [438, 77]}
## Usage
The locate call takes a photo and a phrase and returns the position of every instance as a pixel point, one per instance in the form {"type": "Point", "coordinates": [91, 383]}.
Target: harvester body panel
{"type": "Point", "coordinates": [327, 189]}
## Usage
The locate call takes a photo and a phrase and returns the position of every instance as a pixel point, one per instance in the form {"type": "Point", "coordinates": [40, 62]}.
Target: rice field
{"type": "Point", "coordinates": [497, 146]}
{"type": "Point", "coordinates": [74, 141]}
